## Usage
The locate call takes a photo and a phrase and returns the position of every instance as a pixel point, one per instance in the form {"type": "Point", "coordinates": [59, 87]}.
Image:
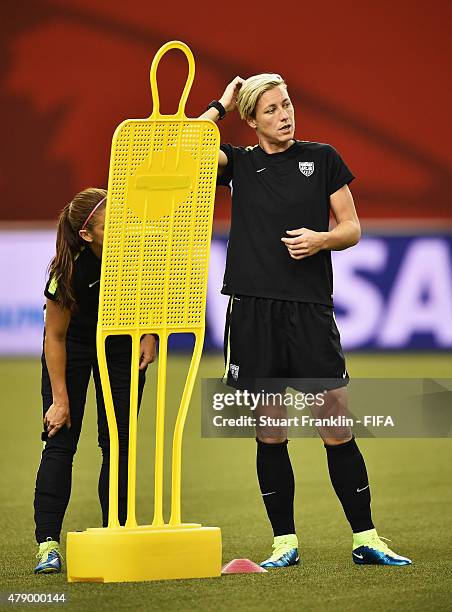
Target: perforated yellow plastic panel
{"type": "Point", "coordinates": [154, 280]}
{"type": "Point", "coordinates": [158, 226]}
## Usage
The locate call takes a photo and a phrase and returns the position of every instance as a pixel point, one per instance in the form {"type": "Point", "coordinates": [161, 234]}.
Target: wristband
{"type": "Point", "coordinates": [219, 107]}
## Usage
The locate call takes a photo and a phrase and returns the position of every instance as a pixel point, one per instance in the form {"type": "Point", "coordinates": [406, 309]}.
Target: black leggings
{"type": "Point", "coordinates": [53, 481]}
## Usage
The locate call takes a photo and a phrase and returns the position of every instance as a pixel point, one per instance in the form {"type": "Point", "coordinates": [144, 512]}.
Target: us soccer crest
{"type": "Point", "coordinates": [234, 369]}
{"type": "Point", "coordinates": [306, 168]}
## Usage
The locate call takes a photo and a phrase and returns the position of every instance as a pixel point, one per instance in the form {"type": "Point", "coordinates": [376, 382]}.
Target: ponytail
{"type": "Point", "coordinates": [69, 243]}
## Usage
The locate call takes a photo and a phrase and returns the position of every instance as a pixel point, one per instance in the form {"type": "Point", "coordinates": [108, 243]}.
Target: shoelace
{"type": "Point", "coordinates": [377, 543]}
{"type": "Point", "coordinates": [45, 551]}
{"type": "Point", "coordinates": [281, 549]}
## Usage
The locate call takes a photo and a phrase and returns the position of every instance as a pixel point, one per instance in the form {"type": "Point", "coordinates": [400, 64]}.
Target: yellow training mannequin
{"type": "Point", "coordinates": [154, 280]}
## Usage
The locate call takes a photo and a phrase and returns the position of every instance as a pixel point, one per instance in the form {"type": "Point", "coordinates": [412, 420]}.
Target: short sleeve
{"type": "Point", "coordinates": [226, 175]}
{"type": "Point", "coordinates": [338, 172]}
{"type": "Point", "coordinates": [50, 290]}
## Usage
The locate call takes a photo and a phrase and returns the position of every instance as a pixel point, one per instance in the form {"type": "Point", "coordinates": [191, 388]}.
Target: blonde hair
{"type": "Point", "coordinates": [252, 89]}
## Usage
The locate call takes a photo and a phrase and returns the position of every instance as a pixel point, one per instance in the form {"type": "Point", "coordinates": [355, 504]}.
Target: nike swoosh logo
{"type": "Point", "coordinates": [95, 283]}
{"type": "Point", "coordinates": [261, 170]}
{"type": "Point", "coordinates": [363, 489]}
{"type": "Point", "coordinates": [271, 493]}
{"type": "Point", "coordinates": [359, 556]}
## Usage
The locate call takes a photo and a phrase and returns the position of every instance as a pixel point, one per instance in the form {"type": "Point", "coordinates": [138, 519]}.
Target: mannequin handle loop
{"type": "Point", "coordinates": [174, 44]}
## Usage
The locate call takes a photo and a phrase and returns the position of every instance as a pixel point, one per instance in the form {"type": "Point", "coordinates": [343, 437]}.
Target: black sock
{"type": "Point", "coordinates": [349, 478]}
{"type": "Point", "coordinates": [277, 485]}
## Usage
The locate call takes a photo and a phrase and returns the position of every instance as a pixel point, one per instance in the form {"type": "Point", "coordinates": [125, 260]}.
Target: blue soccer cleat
{"type": "Point", "coordinates": [285, 552]}
{"type": "Point", "coordinates": [49, 558]}
{"type": "Point", "coordinates": [369, 549]}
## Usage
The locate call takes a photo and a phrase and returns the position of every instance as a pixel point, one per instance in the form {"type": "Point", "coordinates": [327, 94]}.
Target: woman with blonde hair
{"type": "Point", "coordinates": [69, 357]}
{"type": "Point", "coordinates": [280, 322]}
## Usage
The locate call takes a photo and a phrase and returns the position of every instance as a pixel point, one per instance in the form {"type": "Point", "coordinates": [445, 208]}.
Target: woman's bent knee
{"type": "Point", "coordinates": [266, 440]}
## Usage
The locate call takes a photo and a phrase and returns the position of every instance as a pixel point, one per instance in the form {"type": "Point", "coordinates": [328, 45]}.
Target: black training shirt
{"type": "Point", "coordinates": [272, 193]}
{"type": "Point", "coordinates": [86, 281]}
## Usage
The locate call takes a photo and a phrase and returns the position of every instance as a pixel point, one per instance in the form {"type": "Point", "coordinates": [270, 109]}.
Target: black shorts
{"type": "Point", "coordinates": [275, 344]}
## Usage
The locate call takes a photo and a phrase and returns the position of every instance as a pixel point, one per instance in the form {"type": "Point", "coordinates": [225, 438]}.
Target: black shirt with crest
{"type": "Point", "coordinates": [272, 193]}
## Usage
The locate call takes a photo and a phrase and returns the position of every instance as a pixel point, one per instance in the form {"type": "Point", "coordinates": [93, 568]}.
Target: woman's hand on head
{"type": "Point", "coordinates": [147, 350]}
{"type": "Point", "coordinates": [56, 417]}
{"type": "Point", "coordinates": [229, 97]}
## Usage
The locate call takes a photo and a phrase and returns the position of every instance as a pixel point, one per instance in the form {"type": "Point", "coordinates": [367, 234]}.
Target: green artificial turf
{"type": "Point", "coordinates": [411, 499]}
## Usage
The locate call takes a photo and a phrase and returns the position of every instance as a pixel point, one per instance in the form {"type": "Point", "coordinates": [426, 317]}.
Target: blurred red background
{"type": "Point", "coordinates": [369, 78]}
